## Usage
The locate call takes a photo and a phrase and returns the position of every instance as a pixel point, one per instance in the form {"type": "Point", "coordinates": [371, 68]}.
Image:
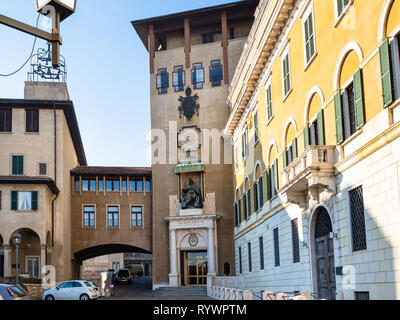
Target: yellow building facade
{"type": "Point", "coordinates": [316, 140]}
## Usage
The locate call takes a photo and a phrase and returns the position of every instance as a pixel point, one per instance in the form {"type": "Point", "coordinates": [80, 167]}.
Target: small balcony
{"type": "Point", "coordinates": [313, 169]}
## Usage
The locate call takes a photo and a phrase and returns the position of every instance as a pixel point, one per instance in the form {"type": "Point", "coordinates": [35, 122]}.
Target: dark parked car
{"type": "Point", "coordinates": [123, 276]}
{"type": "Point", "coordinates": [13, 292]}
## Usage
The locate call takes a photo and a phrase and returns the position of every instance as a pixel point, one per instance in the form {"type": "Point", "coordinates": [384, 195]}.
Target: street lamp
{"type": "Point", "coordinates": [57, 10]}
{"type": "Point", "coordinates": [17, 242]}
{"type": "Point", "coordinates": [64, 7]}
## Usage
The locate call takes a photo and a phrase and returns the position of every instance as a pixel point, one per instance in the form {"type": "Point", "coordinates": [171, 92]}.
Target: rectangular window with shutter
{"type": "Point", "coordinates": [341, 6]}
{"type": "Point", "coordinates": [309, 39]}
{"type": "Point", "coordinates": [24, 201]}
{"type": "Point", "coordinates": [198, 75]}
{"type": "Point", "coordinates": [162, 81]}
{"type": "Point", "coordinates": [255, 194]}
{"type": "Point", "coordinates": [256, 132]}
{"type": "Point", "coordinates": [286, 75]}
{"type": "Point", "coordinates": [269, 102]}
{"type": "Point", "coordinates": [17, 163]}
{"type": "Point", "coordinates": [178, 77]}
{"type": "Point", "coordinates": [5, 120]}
{"type": "Point", "coordinates": [276, 248]}
{"type": "Point", "coordinates": [32, 120]}
{"type": "Point", "coordinates": [42, 169]}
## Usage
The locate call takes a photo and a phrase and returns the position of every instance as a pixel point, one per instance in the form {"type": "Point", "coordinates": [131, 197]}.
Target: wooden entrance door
{"type": "Point", "coordinates": [324, 257]}
{"type": "Point", "coordinates": [196, 268]}
{"type": "Point", "coordinates": [325, 268]}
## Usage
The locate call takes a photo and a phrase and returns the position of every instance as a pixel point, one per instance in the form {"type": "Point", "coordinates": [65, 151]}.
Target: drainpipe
{"type": "Point", "coordinates": [55, 172]}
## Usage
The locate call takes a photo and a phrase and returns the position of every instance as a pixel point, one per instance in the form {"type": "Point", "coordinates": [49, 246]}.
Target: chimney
{"type": "Point", "coordinates": [46, 91]}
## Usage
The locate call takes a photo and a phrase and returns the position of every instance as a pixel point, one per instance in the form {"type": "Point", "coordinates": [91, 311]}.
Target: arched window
{"type": "Point", "coordinates": [246, 199]}
{"type": "Point", "coordinates": [258, 188]}
{"type": "Point", "coordinates": [314, 131]}
{"type": "Point", "coordinates": [390, 52]}
{"type": "Point", "coordinates": [238, 208]}
{"type": "Point", "coordinates": [289, 143]}
{"type": "Point", "coordinates": [349, 100]}
{"type": "Point", "coordinates": [272, 171]}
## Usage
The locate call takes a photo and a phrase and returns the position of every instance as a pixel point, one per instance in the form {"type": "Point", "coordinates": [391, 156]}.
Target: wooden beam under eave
{"type": "Point", "coordinates": [152, 45]}
{"type": "Point", "coordinates": [224, 24]}
{"type": "Point", "coordinates": [187, 43]}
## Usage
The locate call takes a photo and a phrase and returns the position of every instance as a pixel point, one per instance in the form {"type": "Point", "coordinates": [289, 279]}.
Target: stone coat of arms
{"type": "Point", "coordinates": [189, 105]}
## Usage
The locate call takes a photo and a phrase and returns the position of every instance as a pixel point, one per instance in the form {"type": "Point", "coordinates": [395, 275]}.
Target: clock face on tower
{"type": "Point", "coordinates": [193, 240]}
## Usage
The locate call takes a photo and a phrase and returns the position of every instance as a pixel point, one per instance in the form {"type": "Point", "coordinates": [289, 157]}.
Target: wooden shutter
{"type": "Point", "coordinates": [294, 148]}
{"type": "Point", "coordinates": [339, 118]}
{"type": "Point", "coordinates": [261, 191]}
{"type": "Point", "coordinates": [306, 133]}
{"type": "Point", "coordinates": [34, 200]}
{"type": "Point", "coordinates": [255, 195]}
{"type": "Point", "coordinates": [269, 178]}
{"type": "Point", "coordinates": [14, 200]}
{"type": "Point", "coordinates": [0, 199]}
{"type": "Point", "coordinates": [276, 176]}
{"type": "Point", "coordinates": [240, 211]}
{"type": "Point", "coordinates": [321, 128]}
{"type": "Point", "coordinates": [386, 74]}
{"type": "Point", "coordinates": [285, 158]}
{"type": "Point", "coordinates": [249, 201]}
{"type": "Point", "coordinates": [358, 99]}
{"type": "Point", "coordinates": [236, 214]}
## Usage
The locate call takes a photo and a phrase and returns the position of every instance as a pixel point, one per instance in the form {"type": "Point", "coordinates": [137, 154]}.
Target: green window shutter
{"type": "Point", "coordinates": [294, 148]}
{"type": "Point", "coordinates": [276, 176]}
{"type": "Point", "coordinates": [285, 158]}
{"type": "Point", "coordinates": [249, 200]}
{"type": "Point", "coordinates": [321, 128]}
{"type": "Point", "coordinates": [14, 200]}
{"type": "Point", "coordinates": [240, 211]}
{"type": "Point", "coordinates": [306, 133]}
{"type": "Point", "coordinates": [34, 200]}
{"type": "Point", "coordinates": [339, 118]}
{"type": "Point", "coordinates": [17, 165]}
{"type": "Point", "coordinates": [386, 74]}
{"type": "Point", "coordinates": [236, 214]}
{"type": "Point", "coordinates": [261, 191]}
{"type": "Point", "coordinates": [358, 99]}
{"type": "Point", "coordinates": [255, 195]}
{"type": "Point", "coordinates": [269, 178]}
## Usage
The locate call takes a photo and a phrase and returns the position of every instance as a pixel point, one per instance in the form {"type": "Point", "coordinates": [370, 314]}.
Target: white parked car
{"type": "Point", "coordinates": [72, 290]}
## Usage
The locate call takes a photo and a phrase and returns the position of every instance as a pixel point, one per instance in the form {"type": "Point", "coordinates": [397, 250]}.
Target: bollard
{"type": "Point", "coordinates": [247, 295]}
{"type": "Point", "coordinates": [268, 295]}
{"type": "Point", "coordinates": [340, 295]}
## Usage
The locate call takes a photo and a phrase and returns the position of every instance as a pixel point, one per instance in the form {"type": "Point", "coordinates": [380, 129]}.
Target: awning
{"type": "Point", "coordinates": [189, 167]}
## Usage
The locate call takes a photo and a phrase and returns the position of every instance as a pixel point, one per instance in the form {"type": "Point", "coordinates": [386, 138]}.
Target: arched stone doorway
{"type": "Point", "coordinates": [98, 251]}
{"type": "Point", "coordinates": [323, 255]}
{"type": "Point", "coordinates": [30, 254]}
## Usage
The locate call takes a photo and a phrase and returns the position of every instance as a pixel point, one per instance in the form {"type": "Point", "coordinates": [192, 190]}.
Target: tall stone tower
{"type": "Point", "coordinates": [193, 56]}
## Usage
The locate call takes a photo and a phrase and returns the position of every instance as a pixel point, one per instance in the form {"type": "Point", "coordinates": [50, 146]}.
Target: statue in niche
{"type": "Point", "coordinates": [191, 196]}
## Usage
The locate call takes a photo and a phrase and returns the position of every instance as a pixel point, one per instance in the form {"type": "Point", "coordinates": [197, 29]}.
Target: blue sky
{"type": "Point", "coordinates": [108, 78]}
